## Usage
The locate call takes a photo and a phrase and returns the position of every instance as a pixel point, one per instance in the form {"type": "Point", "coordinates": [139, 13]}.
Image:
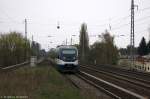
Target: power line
{"type": "Point", "coordinates": [147, 8]}
{"type": "Point", "coordinates": [101, 25]}
{"type": "Point", "coordinates": [126, 17]}
{"type": "Point", "coordinates": [48, 24]}
{"type": "Point", "coordinates": [137, 20]}
{"type": "Point", "coordinates": [122, 19]}
{"type": "Point", "coordinates": [10, 18]}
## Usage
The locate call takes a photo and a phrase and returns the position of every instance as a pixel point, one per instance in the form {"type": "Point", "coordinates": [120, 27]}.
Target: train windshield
{"type": "Point", "coordinates": [68, 55]}
{"type": "Point", "coordinates": [68, 52]}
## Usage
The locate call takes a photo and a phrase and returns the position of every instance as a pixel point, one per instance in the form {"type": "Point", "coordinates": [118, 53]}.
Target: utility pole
{"type": "Point", "coordinates": [132, 43]}
{"type": "Point", "coordinates": [83, 48]}
{"type": "Point", "coordinates": [25, 39]}
{"type": "Point", "coordinates": [149, 32]}
{"type": "Point", "coordinates": [71, 41]}
{"type": "Point", "coordinates": [26, 29]}
{"type": "Point", "coordinates": [32, 38]}
{"type": "Point", "coordinates": [66, 41]}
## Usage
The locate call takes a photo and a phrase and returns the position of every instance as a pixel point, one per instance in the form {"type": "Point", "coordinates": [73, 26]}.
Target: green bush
{"type": "Point", "coordinates": [14, 48]}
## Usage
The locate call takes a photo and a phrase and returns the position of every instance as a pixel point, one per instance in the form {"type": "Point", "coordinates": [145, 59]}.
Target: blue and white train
{"type": "Point", "coordinates": [67, 58]}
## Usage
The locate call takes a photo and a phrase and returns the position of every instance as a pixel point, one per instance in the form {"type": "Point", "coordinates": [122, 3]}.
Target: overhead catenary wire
{"type": "Point", "coordinates": [48, 24]}
{"type": "Point", "coordinates": [10, 18]}
{"type": "Point", "coordinates": [100, 25]}
{"type": "Point", "coordinates": [126, 17]}
{"type": "Point", "coordinates": [126, 24]}
{"type": "Point", "coordinates": [117, 21]}
{"type": "Point", "coordinates": [144, 9]}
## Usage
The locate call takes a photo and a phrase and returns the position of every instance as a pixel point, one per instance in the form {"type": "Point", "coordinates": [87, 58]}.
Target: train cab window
{"type": "Point", "coordinates": [68, 51]}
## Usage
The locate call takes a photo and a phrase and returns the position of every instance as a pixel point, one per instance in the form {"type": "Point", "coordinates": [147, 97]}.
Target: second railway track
{"type": "Point", "coordinates": [134, 87]}
{"type": "Point", "coordinates": [134, 80]}
{"type": "Point", "coordinates": [134, 74]}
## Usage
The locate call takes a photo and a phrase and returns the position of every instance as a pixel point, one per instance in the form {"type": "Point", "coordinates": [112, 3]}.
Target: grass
{"type": "Point", "coordinates": [41, 82]}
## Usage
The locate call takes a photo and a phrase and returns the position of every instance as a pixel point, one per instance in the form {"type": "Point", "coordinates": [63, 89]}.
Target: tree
{"type": "Point", "coordinates": [135, 49]}
{"type": "Point", "coordinates": [148, 44]}
{"type": "Point", "coordinates": [104, 52]}
{"type": "Point", "coordinates": [12, 48]}
{"type": "Point", "coordinates": [142, 49]}
{"type": "Point", "coordinates": [123, 51]}
{"type": "Point", "coordinates": [42, 53]}
{"type": "Point", "coordinates": [35, 49]}
{"type": "Point", "coordinates": [84, 44]}
{"type": "Point", "coordinates": [148, 47]}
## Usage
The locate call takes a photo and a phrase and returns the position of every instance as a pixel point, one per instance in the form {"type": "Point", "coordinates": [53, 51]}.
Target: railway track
{"type": "Point", "coordinates": [136, 87]}
{"type": "Point", "coordinates": [86, 88]}
{"type": "Point", "coordinates": [13, 67]}
{"type": "Point", "coordinates": [133, 73]}
{"type": "Point", "coordinates": [134, 80]}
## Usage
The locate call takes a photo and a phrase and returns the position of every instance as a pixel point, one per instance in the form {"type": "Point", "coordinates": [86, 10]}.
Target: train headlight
{"type": "Point", "coordinates": [64, 58]}
{"type": "Point", "coordinates": [74, 58]}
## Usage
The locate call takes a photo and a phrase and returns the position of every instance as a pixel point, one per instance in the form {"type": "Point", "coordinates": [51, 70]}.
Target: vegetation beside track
{"type": "Point", "coordinates": [41, 82]}
{"type": "Point", "coordinates": [16, 49]}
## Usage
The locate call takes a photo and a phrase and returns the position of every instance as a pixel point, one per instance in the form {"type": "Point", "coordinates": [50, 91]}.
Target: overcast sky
{"type": "Point", "coordinates": [44, 15]}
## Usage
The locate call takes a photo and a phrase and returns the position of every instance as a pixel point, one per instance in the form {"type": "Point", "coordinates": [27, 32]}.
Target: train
{"type": "Point", "coordinates": [67, 58]}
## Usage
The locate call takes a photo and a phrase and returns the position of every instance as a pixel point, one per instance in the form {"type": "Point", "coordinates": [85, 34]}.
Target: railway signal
{"type": "Point", "coordinates": [58, 26]}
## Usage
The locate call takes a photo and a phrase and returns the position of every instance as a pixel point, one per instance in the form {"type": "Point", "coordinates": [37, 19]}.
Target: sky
{"type": "Point", "coordinates": [43, 17]}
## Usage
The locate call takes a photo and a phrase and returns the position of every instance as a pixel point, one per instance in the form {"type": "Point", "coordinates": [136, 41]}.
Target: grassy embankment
{"type": "Point", "coordinates": [41, 82]}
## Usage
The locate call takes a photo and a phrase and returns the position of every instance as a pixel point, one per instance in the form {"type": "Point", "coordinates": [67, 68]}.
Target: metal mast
{"type": "Point", "coordinates": [25, 28]}
{"type": "Point", "coordinates": [26, 39]}
{"type": "Point", "coordinates": [132, 35]}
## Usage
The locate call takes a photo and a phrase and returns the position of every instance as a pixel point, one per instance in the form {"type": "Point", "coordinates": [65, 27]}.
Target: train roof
{"type": "Point", "coordinates": [66, 46]}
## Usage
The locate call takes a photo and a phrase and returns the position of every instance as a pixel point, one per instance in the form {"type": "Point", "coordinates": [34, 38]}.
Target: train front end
{"type": "Point", "coordinates": [68, 59]}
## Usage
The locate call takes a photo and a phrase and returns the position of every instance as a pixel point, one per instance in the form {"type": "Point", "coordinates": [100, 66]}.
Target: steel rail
{"type": "Point", "coordinates": [99, 87]}
{"type": "Point", "coordinates": [130, 93]}
{"type": "Point", "coordinates": [118, 76]}
{"type": "Point", "coordinates": [20, 64]}
{"type": "Point", "coordinates": [13, 66]}
{"type": "Point", "coordinates": [138, 73]}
